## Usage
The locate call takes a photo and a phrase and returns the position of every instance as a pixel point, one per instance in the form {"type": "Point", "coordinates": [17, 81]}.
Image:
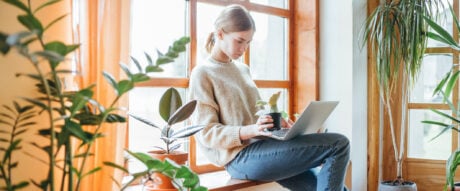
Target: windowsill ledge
{"type": "Point", "coordinates": [222, 181]}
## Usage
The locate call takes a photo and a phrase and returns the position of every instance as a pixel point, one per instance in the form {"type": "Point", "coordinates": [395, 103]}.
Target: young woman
{"type": "Point", "coordinates": [227, 97]}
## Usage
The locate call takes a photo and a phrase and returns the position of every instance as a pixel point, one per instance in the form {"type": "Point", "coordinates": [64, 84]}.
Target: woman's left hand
{"type": "Point", "coordinates": [286, 123]}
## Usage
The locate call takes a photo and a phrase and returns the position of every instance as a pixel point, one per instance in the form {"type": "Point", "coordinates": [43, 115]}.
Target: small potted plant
{"type": "Point", "coordinates": [172, 111]}
{"type": "Point", "coordinates": [273, 110]}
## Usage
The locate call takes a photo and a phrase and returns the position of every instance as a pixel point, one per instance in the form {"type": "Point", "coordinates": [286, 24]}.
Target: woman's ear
{"type": "Point", "coordinates": [219, 34]}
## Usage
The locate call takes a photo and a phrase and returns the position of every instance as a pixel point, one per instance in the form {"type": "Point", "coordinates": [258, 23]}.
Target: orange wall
{"type": "Point", "coordinates": [13, 87]}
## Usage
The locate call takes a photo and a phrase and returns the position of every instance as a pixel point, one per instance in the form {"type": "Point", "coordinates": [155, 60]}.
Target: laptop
{"type": "Point", "coordinates": [310, 121]}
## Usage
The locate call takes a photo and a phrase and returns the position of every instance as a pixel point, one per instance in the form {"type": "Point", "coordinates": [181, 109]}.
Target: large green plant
{"type": "Point", "coordinates": [395, 32]}
{"type": "Point", "coordinates": [67, 112]}
{"type": "Point", "coordinates": [445, 87]}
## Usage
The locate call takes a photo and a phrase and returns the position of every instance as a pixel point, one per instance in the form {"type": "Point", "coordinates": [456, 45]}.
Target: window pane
{"type": "Point", "coordinates": [206, 14]}
{"type": "Point", "coordinates": [268, 50]}
{"type": "Point", "coordinates": [420, 135]}
{"type": "Point", "coordinates": [155, 25]}
{"type": "Point", "coordinates": [274, 3]}
{"type": "Point", "coordinates": [434, 68]}
{"type": "Point", "coordinates": [144, 102]}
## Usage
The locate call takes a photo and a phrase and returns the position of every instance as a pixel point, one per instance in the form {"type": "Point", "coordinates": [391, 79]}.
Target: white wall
{"type": "Point", "coordinates": [343, 77]}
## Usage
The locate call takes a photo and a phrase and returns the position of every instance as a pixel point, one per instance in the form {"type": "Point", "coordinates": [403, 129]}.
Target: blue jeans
{"type": "Point", "coordinates": [307, 162]}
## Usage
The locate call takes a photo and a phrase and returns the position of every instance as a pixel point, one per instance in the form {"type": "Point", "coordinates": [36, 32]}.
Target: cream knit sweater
{"type": "Point", "coordinates": [226, 97]}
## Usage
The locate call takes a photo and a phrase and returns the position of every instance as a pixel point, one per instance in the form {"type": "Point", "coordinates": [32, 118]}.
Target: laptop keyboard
{"type": "Point", "coordinates": [280, 133]}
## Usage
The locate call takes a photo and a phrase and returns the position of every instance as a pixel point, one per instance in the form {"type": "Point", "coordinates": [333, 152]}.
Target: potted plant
{"type": "Point", "coordinates": [445, 87]}
{"type": "Point", "coordinates": [66, 112]}
{"type": "Point", "coordinates": [172, 112]}
{"type": "Point", "coordinates": [395, 31]}
{"type": "Point", "coordinates": [273, 110]}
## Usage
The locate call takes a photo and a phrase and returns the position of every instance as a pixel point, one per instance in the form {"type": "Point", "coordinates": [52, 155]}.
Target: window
{"type": "Point", "coordinates": [155, 24]}
{"type": "Point", "coordinates": [436, 63]}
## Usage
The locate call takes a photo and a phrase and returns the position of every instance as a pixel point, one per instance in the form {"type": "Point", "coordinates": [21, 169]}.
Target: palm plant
{"type": "Point", "coordinates": [396, 33]}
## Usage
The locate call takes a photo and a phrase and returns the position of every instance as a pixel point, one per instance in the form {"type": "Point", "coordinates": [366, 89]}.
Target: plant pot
{"type": "Point", "coordinates": [456, 187]}
{"type": "Point", "coordinates": [391, 186]}
{"type": "Point", "coordinates": [162, 182]}
{"type": "Point", "coordinates": [276, 121]}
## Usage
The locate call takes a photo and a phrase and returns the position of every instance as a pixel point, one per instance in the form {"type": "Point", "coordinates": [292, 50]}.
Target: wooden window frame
{"type": "Point", "coordinates": [303, 50]}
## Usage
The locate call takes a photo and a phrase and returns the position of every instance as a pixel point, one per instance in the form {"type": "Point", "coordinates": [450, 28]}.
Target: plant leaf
{"type": "Point", "coordinates": [169, 103]}
{"type": "Point", "coordinates": [183, 113]}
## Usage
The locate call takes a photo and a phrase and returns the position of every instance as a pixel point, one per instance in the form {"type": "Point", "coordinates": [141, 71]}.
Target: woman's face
{"type": "Point", "coordinates": [234, 44]}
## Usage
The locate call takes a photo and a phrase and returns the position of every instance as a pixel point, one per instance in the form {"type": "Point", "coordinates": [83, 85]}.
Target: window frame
{"type": "Point", "coordinates": [302, 85]}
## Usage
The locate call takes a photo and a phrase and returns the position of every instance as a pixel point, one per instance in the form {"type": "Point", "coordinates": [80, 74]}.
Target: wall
{"type": "Point", "coordinates": [343, 77]}
{"type": "Point", "coordinates": [13, 87]}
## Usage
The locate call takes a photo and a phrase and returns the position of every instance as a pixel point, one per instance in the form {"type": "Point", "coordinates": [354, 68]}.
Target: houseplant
{"type": "Point", "coordinates": [395, 31]}
{"type": "Point", "coordinates": [445, 88]}
{"type": "Point", "coordinates": [172, 112]}
{"type": "Point", "coordinates": [67, 112]}
{"type": "Point", "coordinates": [273, 110]}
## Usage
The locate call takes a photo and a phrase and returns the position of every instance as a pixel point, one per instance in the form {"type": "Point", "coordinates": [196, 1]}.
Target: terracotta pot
{"type": "Point", "coordinates": [162, 182]}
{"type": "Point", "coordinates": [390, 186]}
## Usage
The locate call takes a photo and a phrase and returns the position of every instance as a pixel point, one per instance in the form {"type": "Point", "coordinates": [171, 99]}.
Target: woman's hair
{"type": "Point", "coordinates": [234, 18]}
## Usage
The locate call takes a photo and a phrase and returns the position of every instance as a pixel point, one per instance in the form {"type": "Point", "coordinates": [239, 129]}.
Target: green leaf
{"type": "Point", "coordinates": [111, 80]}
{"type": "Point", "coordinates": [54, 22]}
{"type": "Point", "coordinates": [163, 60]}
{"type": "Point", "coordinates": [125, 68]}
{"type": "Point", "coordinates": [182, 113]}
{"type": "Point", "coordinates": [46, 4]}
{"type": "Point", "coordinates": [56, 46]}
{"type": "Point", "coordinates": [152, 68]}
{"type": "Point", "coordinates": [137, 64]}
{"type": "Point", "coordinates": [20, 185]}
{"type": "Point", "coordinates": [115, 118]}
{"type": "Point", "coordinates": [169, 103]}
{"type": "Point", "coordinates": [116, 166]}
{"type": "Point", "coordinates": [149, 59]}
{"type": "Point", "coordinates": [15, 39]}
{"type": "Point", "coordinates": [124, 86]}
{"type": "Point", "coordinates": [76, 130]}
{"type": "Point", "coordinates": [144, 121]}
{"type": "Point", "coordinates": [94, 170]}
{"type": "Point", "coordinates": [140, 77]}
{"type": "Point", "coordinates": [31, 23]}
{"type": "Point", "coordinates": [4, 47]}
{"type": "Point", "coordinates": [36, 102]}
{"type": "Point", "coordinates": [187, 132]}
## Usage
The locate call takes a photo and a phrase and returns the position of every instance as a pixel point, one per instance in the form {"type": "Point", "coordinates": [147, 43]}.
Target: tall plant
{"type": "Point", "coordinates": [67, 112]}
{"type": "Point", "coordinates": [395, 32]}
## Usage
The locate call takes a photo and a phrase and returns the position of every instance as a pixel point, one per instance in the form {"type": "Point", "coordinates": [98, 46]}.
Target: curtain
{"type": "Point", "coordinates": [102, 30]}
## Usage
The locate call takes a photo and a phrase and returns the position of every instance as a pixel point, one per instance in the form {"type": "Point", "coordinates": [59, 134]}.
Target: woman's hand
{"type": "Point", "coordinates": [286, 123]}
{"type": "Point", "coordinates": [259, 129]}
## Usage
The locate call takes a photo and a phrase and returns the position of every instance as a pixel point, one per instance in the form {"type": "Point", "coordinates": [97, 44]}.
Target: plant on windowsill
{"type": "Point", "coordinates": [172, 112]}
{"type": "Point", "coordinates": [66, 112]}
{"type": "Point", "coordinates": [273, 110]}
{"type": "Point", "coordinates": [445, 87]}
{"type": "Point", "coordinates": [396, 33]}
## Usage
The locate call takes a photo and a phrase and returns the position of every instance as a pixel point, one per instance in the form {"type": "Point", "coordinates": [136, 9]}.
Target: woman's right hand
{"type": "Point", "coordinates": [259, 129]}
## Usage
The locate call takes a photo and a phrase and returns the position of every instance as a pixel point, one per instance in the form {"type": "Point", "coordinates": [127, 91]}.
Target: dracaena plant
{"type": "Point", "coordinates": [172, 112]}
{"type": "Point", "coordinates": [395, 33]}
{"type": "Point", "coordinates": [66, 112]}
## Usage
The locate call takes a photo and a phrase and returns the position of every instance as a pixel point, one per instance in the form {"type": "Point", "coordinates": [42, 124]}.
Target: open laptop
{"type": "Point", "coordinates": [310, 121]}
